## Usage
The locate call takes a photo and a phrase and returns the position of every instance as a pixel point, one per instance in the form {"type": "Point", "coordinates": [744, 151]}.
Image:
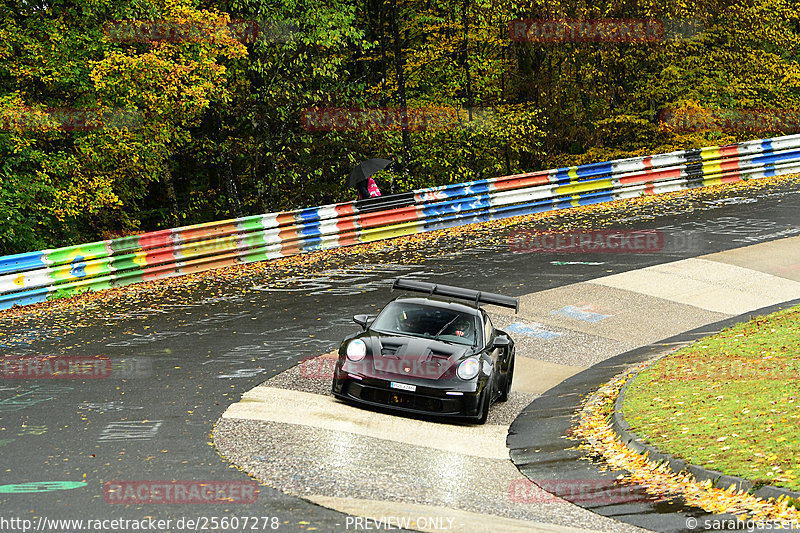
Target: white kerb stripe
{"type": "Point", "coordinates": [324, 412]}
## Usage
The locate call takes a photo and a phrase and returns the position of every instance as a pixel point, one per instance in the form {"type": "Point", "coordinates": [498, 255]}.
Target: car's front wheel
{"type": "Point", "coordinates": [506, 390]}
{"type": "Point", "coordinates": [484, 412]}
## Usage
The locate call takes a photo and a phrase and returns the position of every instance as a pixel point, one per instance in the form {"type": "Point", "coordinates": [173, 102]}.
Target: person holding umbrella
{"type": "Point", "coordinates": [361, 177]}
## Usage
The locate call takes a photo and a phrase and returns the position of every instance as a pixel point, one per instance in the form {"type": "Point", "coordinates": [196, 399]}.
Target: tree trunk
{"type": "Point", "coordinates": [231, 190]}
{"type": "Point", "coordinates": [224, 170]}
{"type": "Point", "coordinates": [399, 66]}
{"type": "Point", "coordinates": [470, 101]}
{"type": "Point", "coordinates": [383, 55]}
{"type": "Point", "coordinates": [169, 188]}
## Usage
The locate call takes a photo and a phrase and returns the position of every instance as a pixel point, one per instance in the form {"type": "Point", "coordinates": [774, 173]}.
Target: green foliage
{"type": "Point", "coordinates": [211, 126]}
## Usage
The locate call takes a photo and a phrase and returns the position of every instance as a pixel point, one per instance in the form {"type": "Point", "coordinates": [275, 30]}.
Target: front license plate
{"type": "Point", "coordinates": [403, 386]}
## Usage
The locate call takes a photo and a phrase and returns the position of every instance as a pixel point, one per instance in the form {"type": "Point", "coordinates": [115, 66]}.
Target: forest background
{"type": "Point", "coordinates": [123, 116]}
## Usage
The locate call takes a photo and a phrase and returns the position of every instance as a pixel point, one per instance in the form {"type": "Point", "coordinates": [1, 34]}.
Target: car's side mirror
{"type": "Point", "coordinates": [501, 341]}
{"type": "Point", "coordinates": [362, 320]}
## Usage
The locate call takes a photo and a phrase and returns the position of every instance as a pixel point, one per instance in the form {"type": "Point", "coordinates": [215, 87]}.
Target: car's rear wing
{"type": "Point", "coordinates": [456, 292]}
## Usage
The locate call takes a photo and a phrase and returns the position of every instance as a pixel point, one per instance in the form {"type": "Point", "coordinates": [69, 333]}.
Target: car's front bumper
{"type": "Point", "coordinates": [424, 400]}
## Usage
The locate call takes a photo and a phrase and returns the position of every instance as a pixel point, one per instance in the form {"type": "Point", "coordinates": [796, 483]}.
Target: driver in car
{"type": "Point", "coordinates": [461, 327]}
{"type": "Point", "coordinates": [409, 323]}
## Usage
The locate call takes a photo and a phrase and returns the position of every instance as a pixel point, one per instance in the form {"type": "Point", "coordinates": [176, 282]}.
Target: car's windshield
{"type": "Point", "coordinates": [429, 322]}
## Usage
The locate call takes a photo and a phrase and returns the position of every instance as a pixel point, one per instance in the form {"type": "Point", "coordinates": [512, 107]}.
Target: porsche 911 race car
{"type": "Point", "coordinates": [429, 354]}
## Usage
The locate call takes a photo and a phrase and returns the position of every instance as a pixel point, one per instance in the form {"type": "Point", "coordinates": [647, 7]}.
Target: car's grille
{"type": "Point", "coordinates": [398, 399]}
{"type": "Point", "coordinates": [401, 399]}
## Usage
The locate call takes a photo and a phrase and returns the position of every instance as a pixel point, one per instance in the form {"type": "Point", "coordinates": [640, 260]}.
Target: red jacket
{"type": "Point", "coordinates": [372, 188]}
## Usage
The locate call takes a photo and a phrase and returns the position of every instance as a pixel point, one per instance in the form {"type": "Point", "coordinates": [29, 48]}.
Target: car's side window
{"type": "Point", "coordinates": [488, 329]}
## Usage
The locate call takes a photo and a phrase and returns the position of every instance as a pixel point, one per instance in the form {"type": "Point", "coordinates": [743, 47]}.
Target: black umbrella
{"type": "Point", "coordinates": [365, 169]}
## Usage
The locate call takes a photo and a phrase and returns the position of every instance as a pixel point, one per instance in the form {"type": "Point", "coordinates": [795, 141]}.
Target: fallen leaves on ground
{"type": "Point", "coordinates": [657, 478]}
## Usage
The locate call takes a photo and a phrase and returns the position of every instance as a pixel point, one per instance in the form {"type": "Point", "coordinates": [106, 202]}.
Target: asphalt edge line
{"type": "Point", "coordinates": [718, 479]}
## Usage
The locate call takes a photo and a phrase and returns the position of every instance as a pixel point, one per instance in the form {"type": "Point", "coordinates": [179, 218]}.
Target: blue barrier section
{"type": "Point", "coordinates": [22, 262]}
{"type": "Point", "coordinates": [774, 158]}
{"type": "Point", "coordinates": [23, 298]}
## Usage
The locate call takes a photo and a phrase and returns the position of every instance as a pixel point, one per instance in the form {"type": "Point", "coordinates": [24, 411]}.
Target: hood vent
{"type": "Point", "coordinates": [389, 349]}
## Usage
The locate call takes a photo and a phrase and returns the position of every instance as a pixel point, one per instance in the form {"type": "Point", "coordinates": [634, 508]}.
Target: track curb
{"type": "Point", "coordinates": [539, 449]}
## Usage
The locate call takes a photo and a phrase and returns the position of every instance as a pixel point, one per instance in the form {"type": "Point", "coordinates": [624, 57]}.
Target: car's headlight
{"type": "Point", "coordinates": [468, 368]}
{"type": "Point", "coordinates": [356, 350]}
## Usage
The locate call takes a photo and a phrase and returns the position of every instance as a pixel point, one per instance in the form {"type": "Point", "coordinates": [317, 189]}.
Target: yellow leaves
{"type": "Point", "coordinates": [175, 79]}
{"type": "Point", "coordinates": [657, 479]}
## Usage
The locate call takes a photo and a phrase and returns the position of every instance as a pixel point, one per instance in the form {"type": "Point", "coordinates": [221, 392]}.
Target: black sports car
{"type": "Point", "coordinates": [429, 354]}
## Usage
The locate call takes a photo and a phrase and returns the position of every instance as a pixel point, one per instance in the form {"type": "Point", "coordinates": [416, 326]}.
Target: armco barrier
{"type": "Point", "coordinates": [33, 277]}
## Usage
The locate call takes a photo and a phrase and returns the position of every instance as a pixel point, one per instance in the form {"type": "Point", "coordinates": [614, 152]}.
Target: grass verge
{"type": "Point", "coordinates": [730, 402]}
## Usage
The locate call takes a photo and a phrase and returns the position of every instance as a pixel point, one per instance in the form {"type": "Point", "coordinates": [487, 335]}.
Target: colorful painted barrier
{"type": "Point", "coordinates": [36, 276]}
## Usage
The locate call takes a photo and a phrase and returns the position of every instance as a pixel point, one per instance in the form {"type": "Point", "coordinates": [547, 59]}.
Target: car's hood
{"type": "Point", "coordinates": [413, 356]}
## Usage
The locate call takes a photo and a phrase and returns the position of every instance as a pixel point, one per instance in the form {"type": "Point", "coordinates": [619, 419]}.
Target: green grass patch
{"type": "Point", "coordinates": [729, 402]}
{"type": "Point", "coordinates": [63, 294]}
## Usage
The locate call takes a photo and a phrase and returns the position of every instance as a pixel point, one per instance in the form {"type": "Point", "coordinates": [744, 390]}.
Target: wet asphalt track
{"type": "Point", "coordinates": [182, 360]}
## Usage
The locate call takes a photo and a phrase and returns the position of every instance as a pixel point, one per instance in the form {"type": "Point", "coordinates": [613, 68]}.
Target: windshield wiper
{"type": "Point", "coordinates": [436, 337]}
